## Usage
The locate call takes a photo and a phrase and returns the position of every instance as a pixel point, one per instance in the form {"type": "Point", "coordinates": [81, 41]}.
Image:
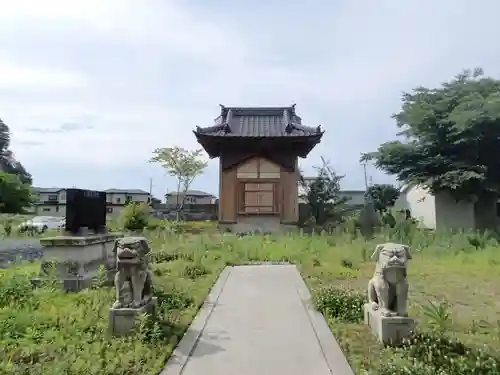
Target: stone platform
{"type": "Point", "coordinates": [77, 259]}
{"type": "Point", "coordinates": [390, 330]}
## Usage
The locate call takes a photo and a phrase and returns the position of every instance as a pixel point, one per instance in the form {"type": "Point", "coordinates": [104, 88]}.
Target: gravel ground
{"type": "Point", "coordinates": [12, 249]}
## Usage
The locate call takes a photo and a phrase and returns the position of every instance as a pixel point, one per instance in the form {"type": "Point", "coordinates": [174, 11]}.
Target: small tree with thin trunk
{"type": "Point", "coordinates": [182, 164]}
{"type": "Point", "coordinates": [383, 196]}
{"type": "Point", "coordinates": [322, 195]}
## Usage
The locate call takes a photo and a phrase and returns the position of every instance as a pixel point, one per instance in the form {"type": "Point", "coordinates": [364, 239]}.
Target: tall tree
{"type": "Point", "coordinates": [182, 164]}
{"type": "Point", "coordinates": [383, 196]}
{"type": "Point", "coordinates": [4, 139]}
{"type": "Point", "coordinates": [7, 161]}
{"type": "Point", "coordinates": [322, 195]}
{"type": "Point", "coordinates": [451, 136]}
{"type": "Point", "coordinates": [14, 194]}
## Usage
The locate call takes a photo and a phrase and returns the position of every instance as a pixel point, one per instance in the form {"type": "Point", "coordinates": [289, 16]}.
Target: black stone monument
{"type": "Point", "coordinates": [85, 212]}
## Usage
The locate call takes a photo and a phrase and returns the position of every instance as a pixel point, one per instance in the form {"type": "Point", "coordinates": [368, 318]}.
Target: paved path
{"type": "Point", "coordinates": [14, 248]}
{"type": "Point", "coordinates": [256, 321]}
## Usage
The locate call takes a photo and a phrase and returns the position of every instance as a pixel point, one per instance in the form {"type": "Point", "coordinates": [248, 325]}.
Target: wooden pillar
{"type": "Point", "coordinates": [289, 201]}
{"type": "Point", "coordinates": [227, 194]}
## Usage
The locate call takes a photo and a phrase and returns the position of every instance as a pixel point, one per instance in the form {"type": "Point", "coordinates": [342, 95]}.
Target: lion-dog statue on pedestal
{"type": "Point", "coordinates": [388, 288]}
{"type": "Point", "coordinates": [132, 267]}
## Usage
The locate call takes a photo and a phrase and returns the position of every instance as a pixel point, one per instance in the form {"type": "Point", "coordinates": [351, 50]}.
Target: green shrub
{"type": "Point", "coordinates": [135, 216]}
{"type": "Point", "coordinates": [450, 355]}
{"type": "Point", "coordinates": [412, 368]}
{"type": "Point", "coordinates": [340, 303]}
{"type": "Point", "coordinates": [171, 299]}
{"type": "Point", "coordinates": [193, 271]}
{"type": "Point", "coordinates": [163, 256]}
{"type": "Point", "coordinates": [7, 228]}
{"type": "Point", "coordinates": [16, 290]}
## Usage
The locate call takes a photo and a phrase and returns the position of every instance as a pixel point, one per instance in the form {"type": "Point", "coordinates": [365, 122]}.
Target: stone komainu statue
{"type": "Point", "coordinates": [132, 267]}
{"type": "Point", "coordinates": [388, 288]}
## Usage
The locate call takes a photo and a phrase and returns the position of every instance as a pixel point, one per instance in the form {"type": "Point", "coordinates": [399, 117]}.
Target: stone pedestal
{"type": "Point", "coordinates": [77, 259]}
{"type": "Point", "coordinates": [122, 321]}
{"type": "Point", "coordinates": [390, 330]}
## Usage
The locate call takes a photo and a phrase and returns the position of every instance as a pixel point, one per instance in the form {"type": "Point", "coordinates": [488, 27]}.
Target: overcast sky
{"type": "Point", "coordinates": [89, 88]}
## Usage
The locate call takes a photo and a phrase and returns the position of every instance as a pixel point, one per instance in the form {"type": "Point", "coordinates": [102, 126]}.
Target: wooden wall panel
{"type": "Point", "coordinates": [287, 194]}
{"type": "Point", "coordinates": [227, 194]}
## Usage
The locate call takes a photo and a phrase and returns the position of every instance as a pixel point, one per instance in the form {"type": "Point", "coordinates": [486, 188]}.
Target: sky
{"type": "Point", "coordinates": [90, 88]}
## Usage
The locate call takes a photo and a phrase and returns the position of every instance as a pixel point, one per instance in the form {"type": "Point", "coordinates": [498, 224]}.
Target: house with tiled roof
{"type": "Point", "coordinates": [193, 197]}
{"type": "Point", "coordinates": [52, 201]}
{"type": "Point", "coordinates": [258, 150]}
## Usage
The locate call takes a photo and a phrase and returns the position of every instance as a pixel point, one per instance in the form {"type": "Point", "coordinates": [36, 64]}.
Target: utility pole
{"type": "Point", "coordinates": [366, 176]}
{"type": "Point", "coordinates": [150, 191]}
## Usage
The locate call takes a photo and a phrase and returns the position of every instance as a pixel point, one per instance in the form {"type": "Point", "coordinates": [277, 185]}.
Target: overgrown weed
{"type": "Point", "coordinates": [47, 331]}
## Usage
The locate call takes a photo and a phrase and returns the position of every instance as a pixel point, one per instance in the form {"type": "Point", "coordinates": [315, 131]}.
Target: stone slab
{"type": "Point", "coordinates": [64, 241]}
{"type": "Point", "coordinates": [123, 321]}
{"type": "Point", "coordinates": [390, 330]}
{"type": "Point", "coordinates": [258, 320]}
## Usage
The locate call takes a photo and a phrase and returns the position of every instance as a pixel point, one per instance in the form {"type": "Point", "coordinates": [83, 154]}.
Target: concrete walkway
{"type": "Point", "coordinates": [256, 321]}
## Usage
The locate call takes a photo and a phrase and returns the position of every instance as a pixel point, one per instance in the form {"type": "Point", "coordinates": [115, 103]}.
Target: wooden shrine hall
{"type": "Point", "coordinates": [258, 149]}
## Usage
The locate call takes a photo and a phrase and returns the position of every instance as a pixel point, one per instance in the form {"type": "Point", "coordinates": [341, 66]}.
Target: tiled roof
{"type": "Point", "coordinates": [46, 190]}
{"type": "Point", "coordinates": [259, 122]}
{"type": "Point", "coordinates": [193, 193]}
{"type": "Point", "coordinates": [126, 191]}
{"type": "Point", "coordinates": [118, 191]}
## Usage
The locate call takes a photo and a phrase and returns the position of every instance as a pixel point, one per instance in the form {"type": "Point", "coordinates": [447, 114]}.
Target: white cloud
{"type": "Point", "coordinates": [146, 74]}
{"type": "Point", "coordinates": [19, 77]}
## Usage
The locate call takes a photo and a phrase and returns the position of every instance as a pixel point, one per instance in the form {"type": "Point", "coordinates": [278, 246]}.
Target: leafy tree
{"type": "Point", "coordinates": [14, 194]}
{"type": "Point", "coordinates": [7, 161]}
{"type": "Point", "coordinates": [383, 196]}
{"type": "Point", "coordinates": [182, 164]}
{"type": "Point", "coordinates": [322, 194]}
{"type": "Point", "coordinates": [451, 139]}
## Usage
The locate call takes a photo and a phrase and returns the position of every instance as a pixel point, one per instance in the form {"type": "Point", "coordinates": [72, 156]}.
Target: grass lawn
{"type": "Point", "coordinates": [47, 331]}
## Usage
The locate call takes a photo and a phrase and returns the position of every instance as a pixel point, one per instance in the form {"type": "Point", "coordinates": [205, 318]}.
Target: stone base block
{"type": "Point", "coordinates": [69, 284]}
{"type": "Point", "coordinates": [123, 321]}
{"type": "Point", "coordinates": [77, 284]}
{"type": "Point", "coordinates": [389, 330]}
{"type": "Point", "coordinates": [76, 260]}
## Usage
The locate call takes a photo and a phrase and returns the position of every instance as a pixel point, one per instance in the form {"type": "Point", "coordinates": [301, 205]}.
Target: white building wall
{"type": "Point", "coordinates": [356, 197]}
{"type": "Point", "coordinates": [438, 211]}
{"type": "Point", "coordinates": [421, 205]}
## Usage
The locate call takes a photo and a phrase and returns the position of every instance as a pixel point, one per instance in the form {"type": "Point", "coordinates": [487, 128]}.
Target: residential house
{"type": "Point", "coordinates": [193, 197]}
{"type": "Point", "coordinates": [258, 150]}
{"type": "Point", "coordinates": [117, 199]}
{"type": "Point", "coordinates": [52, 201]}
{"type": "Point", "coordinates": [49, 201]}
{"type": "Point", "coordinates": [436, 211]}
{"type": "Point", "coordinates": [355, 198]}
